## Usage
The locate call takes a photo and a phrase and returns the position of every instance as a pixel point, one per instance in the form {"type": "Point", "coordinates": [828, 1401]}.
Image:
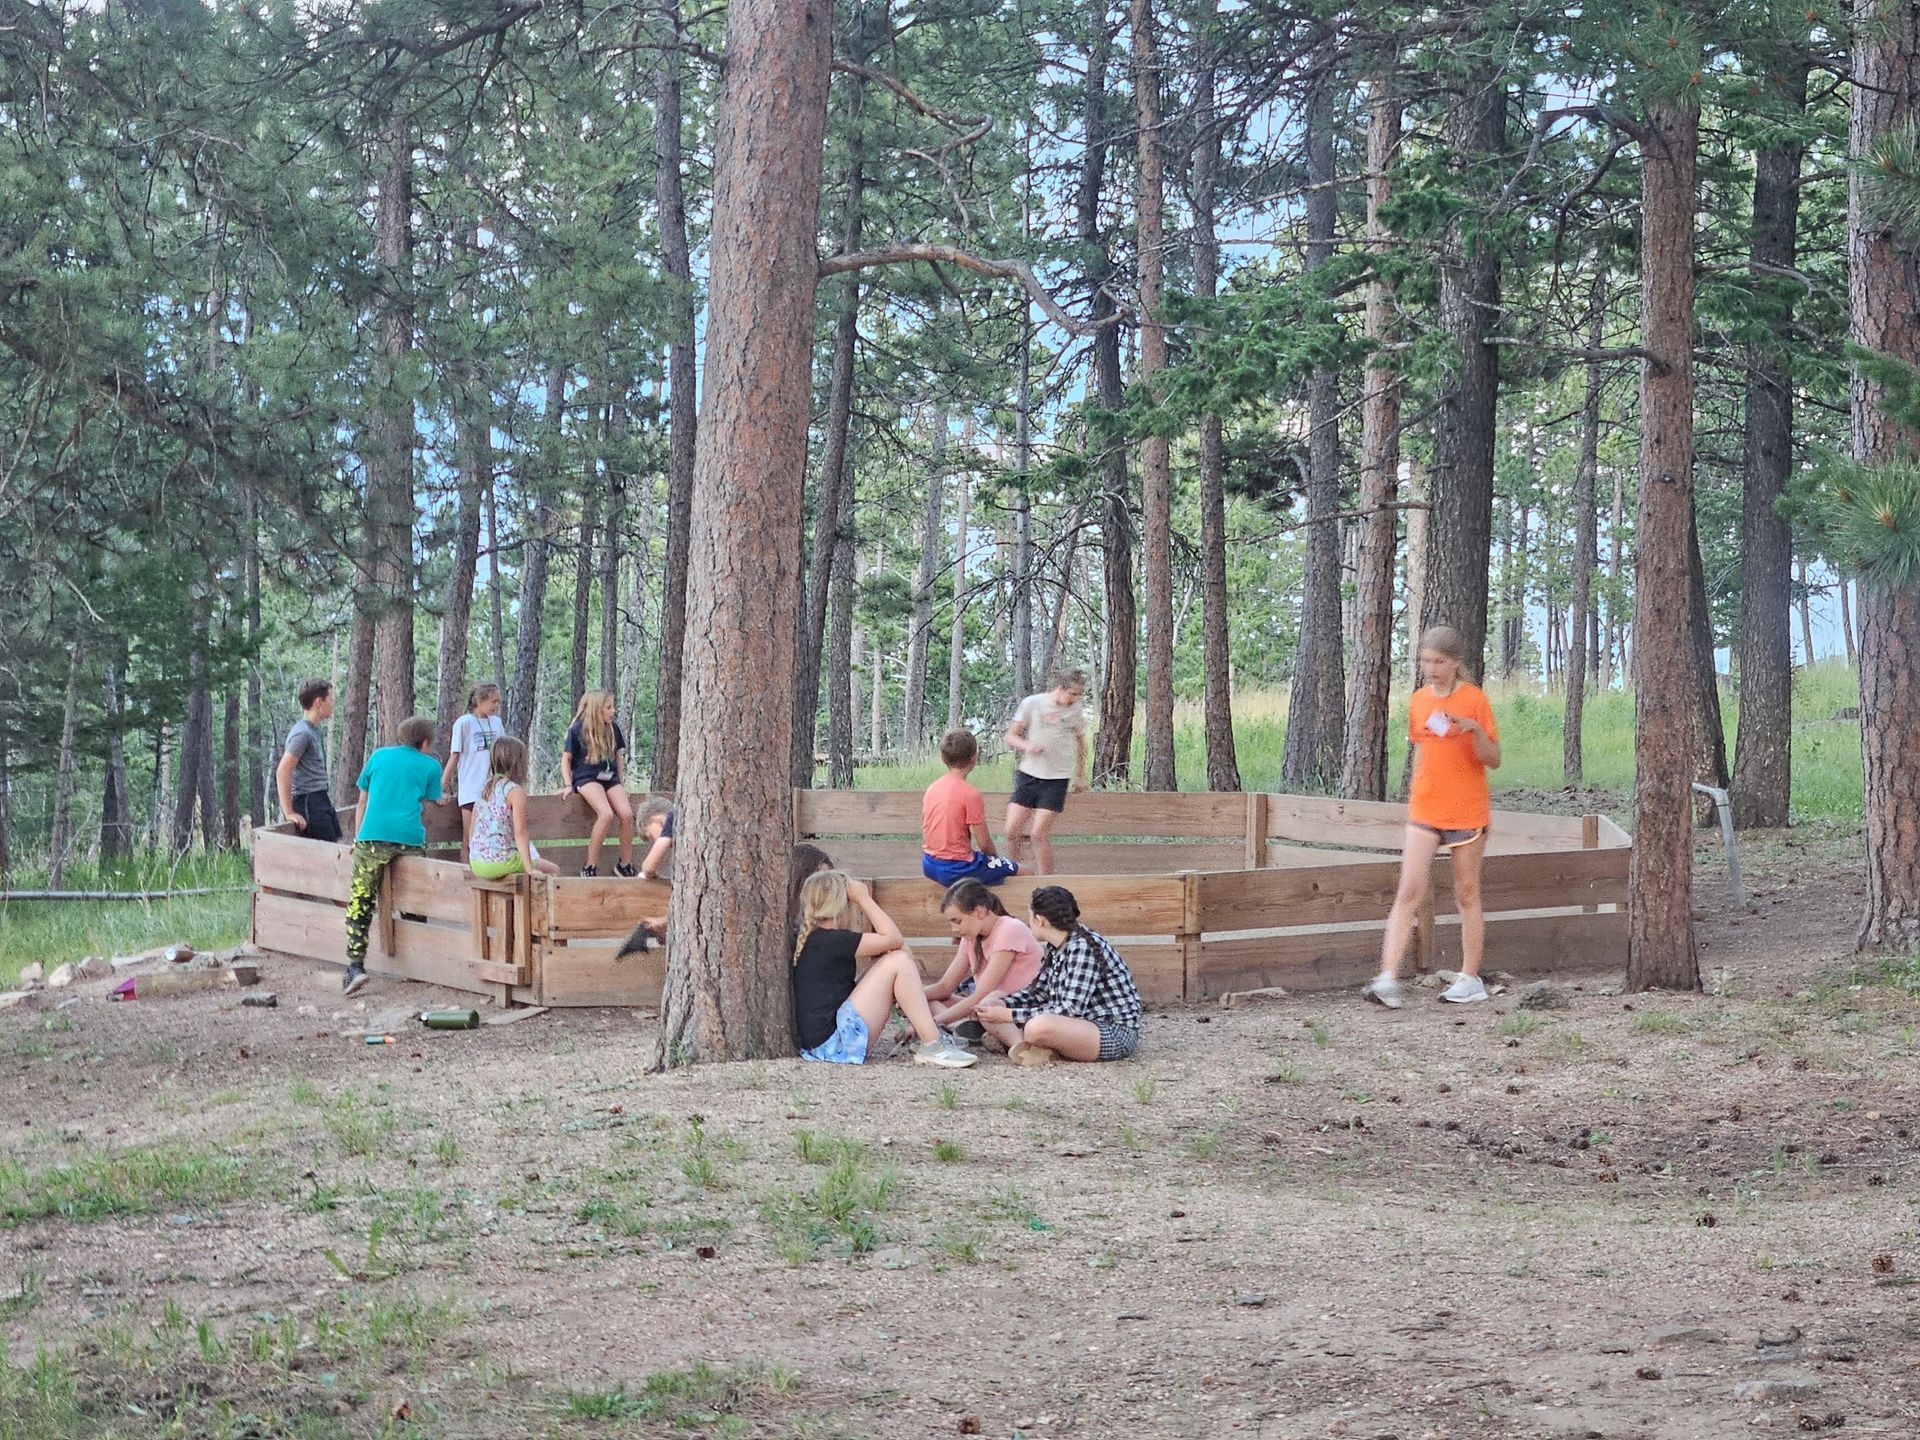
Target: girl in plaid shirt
{"type": "Point", "coordinates": [1082, 1005]}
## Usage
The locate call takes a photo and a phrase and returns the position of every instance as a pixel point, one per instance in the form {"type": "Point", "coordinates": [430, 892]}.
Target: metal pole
{"type": "Point", "coordinates": [1725, 808]}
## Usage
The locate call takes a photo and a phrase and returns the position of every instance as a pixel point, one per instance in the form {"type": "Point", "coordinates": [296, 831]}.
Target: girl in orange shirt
{"type": "Point", "coordinates": [1455, 743]}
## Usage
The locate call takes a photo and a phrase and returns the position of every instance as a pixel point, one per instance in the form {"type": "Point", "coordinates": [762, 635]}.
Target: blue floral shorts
{"type": "Point", "coordinates": [848, 1043]}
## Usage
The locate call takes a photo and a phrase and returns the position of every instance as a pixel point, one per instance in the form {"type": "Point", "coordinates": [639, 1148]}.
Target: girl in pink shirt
{"type": "Point", "coordinates": [996, 954]}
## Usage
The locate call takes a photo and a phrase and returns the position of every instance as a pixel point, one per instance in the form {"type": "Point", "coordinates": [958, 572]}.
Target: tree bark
{"type": "Point", "coordinates": [843, 645]}
{"type": "Point", "coordinates": [230, 781]}
{"type": "Point", "coordinates": [676, 260]}
{"type": "Point", "coordinates": [1460, 526]}
{"type": "Point", "coordinates": [583, 569]}
{"type": "Point", "coordinates": [390, 429]}
{"type": "Point", "coordinates": [920, 634]}
{"type": "Point", "coordinates": [1806, 611]}
{"type": "Point", "coordinates": [535, 558]}
{"type": "Point", "coordinates": [116, 806]}
{"type": "Point", "coordinates": [1223, 766]}
{"type": "Point", "coordinates": [258, 729]}
{"type": "Point", "coordinates": [613, 528]}
{"type": "Point", "coordinates": [957, 630]}
{"type": "Point", "coordinates": [1363, 772]}
{"type": "Point", "coordinates": [1710, 731]}
{"type": "Point", "coordinates": [1586, 474]}
{"type": "Point", "coordinates": [828, 519]}
{"type": "Point", "coordinates": [1023, 515]}
{"type": "Point", "coordinates": [471, 446]}
{"type": "Point", "coordinates": [195, 741]}
{"type": "Point", "coordinates": [60, 841]}
{"type": "Point", "coordinates": [353, 715]}
{"type": "Point", "coordinates": [1317, 704]}
{"type": "Point", "coordinates": [1156, 457]}
{"type": "Point", "coordinates": [1616, 648]}
{"type": "Point", "coordinates": [1660, 939]}
{"type": "Point", "coordinates": [1113, 741]}
{"type": "Point", "coordinates": [1846, 621]}
{"type": "Point", "coordinates": [726, 995]}
{"type": "Point", "coordinates": [6, 808]}
{"type": "Point", "coordinates": [1883, 283]}
{"type": "Point", "coordinates": [496, 590]}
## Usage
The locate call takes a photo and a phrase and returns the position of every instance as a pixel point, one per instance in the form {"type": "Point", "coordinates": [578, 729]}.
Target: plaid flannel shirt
{"type": "Point", "coordinates": [1084, 978]}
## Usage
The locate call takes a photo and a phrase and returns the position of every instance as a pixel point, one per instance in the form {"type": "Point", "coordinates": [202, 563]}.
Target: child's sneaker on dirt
{"type": "Point", "coordinates": [355, 981]}
{"type": "Point", "coordinates": [1465, 990]}
{"type": "Point", "coordinates": [587, 872]}
{"type": "Point", "coordinates": [943, 1053]}
{"type": "Point", "coordinates": [1383, 990]}
{"type": "Point", "coordinates": [625, 871]}
{"type": "Point", "coordinates": [970, 1030]}
{"type": "Point", "coordinates": [1028, 1053]}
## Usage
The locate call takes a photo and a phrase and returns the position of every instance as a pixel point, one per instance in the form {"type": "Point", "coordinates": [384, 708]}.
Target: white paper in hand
{"type": "Point", "coordinates": [1438, 723]}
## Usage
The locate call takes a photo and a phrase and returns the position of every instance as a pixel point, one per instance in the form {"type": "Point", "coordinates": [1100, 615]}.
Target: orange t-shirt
{"type": "Point", "coordinates": [1449, 790]}
{"type": "Point", "coordinates": [951, 806]}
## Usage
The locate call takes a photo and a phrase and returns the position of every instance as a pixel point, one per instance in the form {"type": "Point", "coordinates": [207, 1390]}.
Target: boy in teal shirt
{"type": "Point", "coordinates": [393, 783]}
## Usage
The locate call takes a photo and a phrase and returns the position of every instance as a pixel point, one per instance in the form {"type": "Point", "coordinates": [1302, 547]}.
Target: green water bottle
{"type": "Point", "coordinates": [450, 1019]}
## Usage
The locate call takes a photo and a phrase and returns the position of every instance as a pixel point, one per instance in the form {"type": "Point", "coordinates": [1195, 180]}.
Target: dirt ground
{"type": "Point", "coordinates": [1642, 1216]}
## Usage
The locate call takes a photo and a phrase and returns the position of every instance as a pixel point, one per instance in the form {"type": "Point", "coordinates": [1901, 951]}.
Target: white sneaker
{"type": "Point", "coordinates": [944, 1054]}
{"type": "Point", "coordinates": [1465, 990]}
{"type": "Point", "coordinates": [1383, 990]}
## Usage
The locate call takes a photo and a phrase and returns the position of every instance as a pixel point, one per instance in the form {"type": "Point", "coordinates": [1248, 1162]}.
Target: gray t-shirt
{"type": "Point", "coordinates": [1057, 731]}
{"type": "Point", "coordinates": [309, 750]}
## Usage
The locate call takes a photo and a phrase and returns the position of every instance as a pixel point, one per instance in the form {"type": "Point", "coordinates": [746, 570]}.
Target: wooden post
{"type": "Point", "coordinates": [1256, 829]}
{"type": "Point", "coordinates": [389, 936]}
{"type": "Point", "coordinates": [1590, 840]}
{"type": "Point", "coordinates": [1423, 936]}
{"type": "Point", "coordinates": [1187, 940]}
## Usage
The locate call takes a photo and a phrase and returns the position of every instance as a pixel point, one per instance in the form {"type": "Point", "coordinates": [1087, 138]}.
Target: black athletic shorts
{"type": "Point", "coordinates": [323, 823]}
{"type": "Point", "coordinates": [1032, 794]}
{"type": "Point", "coordinates": [1450, 838]}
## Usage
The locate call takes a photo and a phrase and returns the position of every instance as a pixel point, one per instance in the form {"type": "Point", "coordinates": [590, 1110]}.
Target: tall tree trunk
{"type": "Point", "coordinates": [920, 633]}
{"type": "Point", "coordinates": [728, 952]}
{"type": "Point", "coordinates": [583, 569]}
{"type": "Point", "coordinates": [878, 673]}
{"type": "Point", "coordinates": [1461, 526]}
{"type": "Point", "coordinates": [258, 729]}
{"type": "Point", "coordinates": [1317, 703]}
{"type": "Point", "coordinates": [536, 555]}
{"type": "Point", "coordinates": [1113, 741]}
{"type": "Point", "coordinates": [843, 645]}
{"type": "Point", "coordinates": [61, 839]}
{"type": "Point", "coordinates": [1883, 283]}
{"type": "Point", "coordinates": [350, 753]}
{"type": "Point", "coordinates": [676, 259]}
{"type": "Point", "coordinates": [496, 588]}
{"type": "Point", "coordinates": [1156, 458]}
{"type": "Point", "coordinates": [1513, 648]}
{"type": "Point", "coordinates": [611, 535]}
{"type": "Point", "coordinates": [116, 807]}
{"type": "Point", "coordinates": [230, 781]}
{"type": "Point", "coordinates": [1223, 767]}
{"type": "Point", "coordinates": [195, 740]}
{"type": "Point", "coordinates": [1585, 476]}
{"type": "Point", "coordinates": [471, 446]}
{"type": "Point", "coordinates": [957, 628]}
{"type": "Point", "coordinates": [390, 430]}
{"type": "Point", "coordinates": [1710, 731]}
{"type": "Point", "coordinates": [633, 633]}
{"type": "Point", "coordinates": [1846, 621]}
{"type": "Point", "coordinates": [1023, 516]}
{"type": "Point", "coordinates": [1660, 940]}
{"type": "Point", "coordinates": [828, 519]}
{"type": "Point", "coordinates": [1616, 648]}
{"type": "Point", "coordinates": [1806, 611]}
{"type": "Point", "coordinates": [1363, 773]}
{"type": "Point", "coordinates": [6, 808]}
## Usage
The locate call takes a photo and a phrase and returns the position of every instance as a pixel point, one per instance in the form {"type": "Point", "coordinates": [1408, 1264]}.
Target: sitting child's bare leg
{"type": "Point", "coordinates": [1067, 1036]}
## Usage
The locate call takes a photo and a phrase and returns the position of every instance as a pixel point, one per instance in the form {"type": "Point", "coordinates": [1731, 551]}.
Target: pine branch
{"type": "Point", "coordinates": [1017, 270]}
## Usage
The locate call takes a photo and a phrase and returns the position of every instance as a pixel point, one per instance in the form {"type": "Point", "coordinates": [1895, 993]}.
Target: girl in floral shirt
{"type": "Point", "coordinates": [1082, 1005]}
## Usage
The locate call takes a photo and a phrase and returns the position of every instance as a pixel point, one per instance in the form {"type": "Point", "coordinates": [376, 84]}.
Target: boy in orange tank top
{"type": "Point", "coordinates": [1455, 743]}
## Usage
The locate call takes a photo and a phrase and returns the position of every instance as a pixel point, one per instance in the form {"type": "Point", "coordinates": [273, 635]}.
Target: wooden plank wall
{"type": "Point", "coordinates": [1257, 898]}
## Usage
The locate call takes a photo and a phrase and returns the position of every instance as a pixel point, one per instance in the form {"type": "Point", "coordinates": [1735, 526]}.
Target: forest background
{"type": "Point", "coordinates": [1215, 349]}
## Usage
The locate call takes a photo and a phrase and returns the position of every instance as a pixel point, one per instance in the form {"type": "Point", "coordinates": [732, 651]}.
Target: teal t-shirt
{"type": "Point", "coordinates": [397, 778]}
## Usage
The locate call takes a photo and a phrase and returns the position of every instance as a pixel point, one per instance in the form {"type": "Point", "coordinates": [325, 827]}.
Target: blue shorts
{"type": "Point", "coordinates": [987, 869]}
{"type": "Point", "coordinates": [848, 1043]}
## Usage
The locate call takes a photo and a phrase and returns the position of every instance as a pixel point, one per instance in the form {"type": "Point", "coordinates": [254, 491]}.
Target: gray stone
{"type": "Point", "coordinates": [261, 1000]}
{"type": "Point", "coordinates": [129, 962]}
{"type": "Point", "coordinates": [15, 997]}
{"type": "Point", "coordinates": [1235, 999]}
{"type": "Point", "coordinates": [1616, 1347]}
{"type": "Point", "coordinates": [1545, 995]}
{"type": "Point", "coordinates": [60, 978]}
{"type": "Point", "coordinates": [895, 1257]}
{"type": "Point", "coordinates": [1784, 1388]}
{"type": "Point", "coordinates": [94, 967]}
{"type": "Point", "coordinates": [1671, 1337]}
{"type": "Point", "coordinates": [1252, 1301]}
{"type": "Point", "coordinates": [31, 975]}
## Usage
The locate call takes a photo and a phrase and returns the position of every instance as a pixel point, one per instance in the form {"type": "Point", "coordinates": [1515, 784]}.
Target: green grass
{"type": "Point", "coordinates": [841, 1211]}
{"type": "Point", "coordinates": [99, 1185]}
{"type": "Point", "coordinates": [1826, 751]}
{"type": "Point", "coordinates": [1520, 1022]}
{"type": "Point", "coordinates": [50, 932]}
{"type": "Point", "coordinates": [686, 1401]}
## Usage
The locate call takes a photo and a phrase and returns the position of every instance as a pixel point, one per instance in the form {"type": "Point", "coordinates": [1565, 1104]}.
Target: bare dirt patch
{"type": "Point", "coordinates": [1297, 1219]}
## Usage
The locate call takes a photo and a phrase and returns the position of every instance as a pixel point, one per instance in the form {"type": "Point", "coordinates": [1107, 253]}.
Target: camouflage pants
{"type": "Point", "coordinates": [370, 860]}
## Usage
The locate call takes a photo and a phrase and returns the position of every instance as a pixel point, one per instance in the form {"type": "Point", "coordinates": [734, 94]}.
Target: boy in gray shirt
{"type": "Point", "coordinates": [302, 771]}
